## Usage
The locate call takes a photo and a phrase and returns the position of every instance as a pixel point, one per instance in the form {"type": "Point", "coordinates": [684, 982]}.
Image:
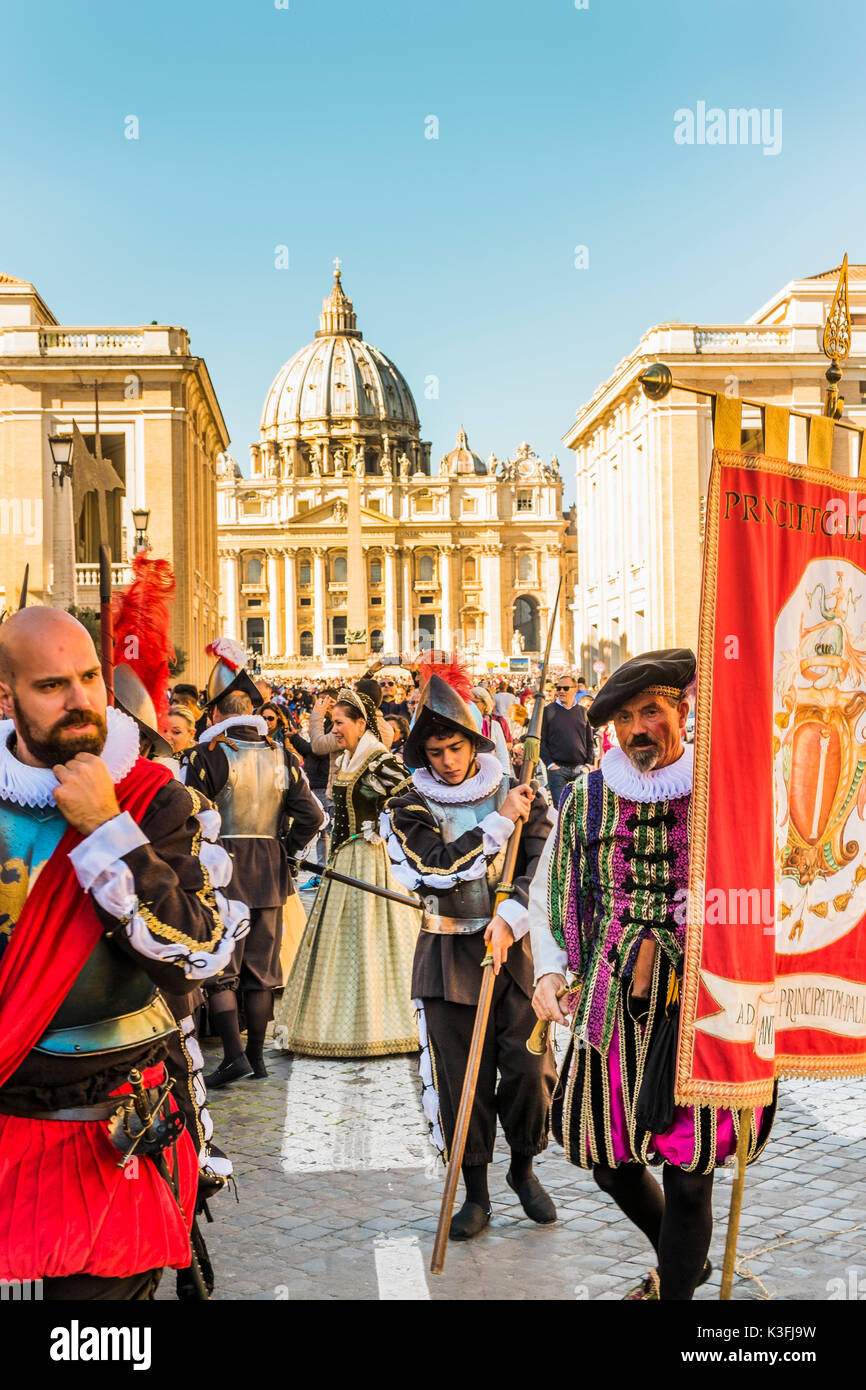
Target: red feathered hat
{"type": "Point", "coordinates": [141, 622]}
{"type": "Point", "coordinates": [448, 668]}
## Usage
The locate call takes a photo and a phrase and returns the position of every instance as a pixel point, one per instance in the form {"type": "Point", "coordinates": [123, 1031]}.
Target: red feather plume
{"type": "Point", "coordinates": [141, 622]}
{"type": "Point", "coordinates": [453, 671]}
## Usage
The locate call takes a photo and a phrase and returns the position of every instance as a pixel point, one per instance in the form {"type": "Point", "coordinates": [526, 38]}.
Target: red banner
{"type": "Point", "coordinates": [775, 972]}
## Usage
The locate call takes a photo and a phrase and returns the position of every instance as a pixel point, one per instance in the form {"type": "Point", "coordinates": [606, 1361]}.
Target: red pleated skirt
{"type": "Point", "coordinates": [66, 1207]}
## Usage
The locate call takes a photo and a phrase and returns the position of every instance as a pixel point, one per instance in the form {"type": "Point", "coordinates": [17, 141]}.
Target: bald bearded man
{"type": "Point", "coordinates": [109, 892]}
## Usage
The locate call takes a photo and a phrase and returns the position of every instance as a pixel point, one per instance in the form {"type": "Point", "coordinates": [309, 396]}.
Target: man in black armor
{"type": "Point", "coordinates": [267, 811]}
{"type": "Point", "coordinates": [446, 838]}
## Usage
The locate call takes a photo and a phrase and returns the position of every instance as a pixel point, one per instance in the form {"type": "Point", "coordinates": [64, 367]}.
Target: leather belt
{"type": "Point", "coordinates": [453, 926]}
{"type": "Point", "coordinates": [101, 1110]}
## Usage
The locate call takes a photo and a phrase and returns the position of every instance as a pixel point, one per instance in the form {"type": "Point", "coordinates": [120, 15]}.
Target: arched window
{"type": "Point", "coordinates": [306, 643]}
{"type": "Point", "coordinates": [340, 574]}
{"type": "Point", "coordinates": [376, 571]}
{"type": "Point", "coordinates": [425, 568]}
{"type": "Point", "coordinates": [469, 571]}
{"type": "Point", "coordinates": [377, 640]}
{"type": "Point", "coordinates": [254, 571]}
{"type": "Point", "coordinates": [305, 577]}
{"type": "Point", "coordinates": [525, 568]}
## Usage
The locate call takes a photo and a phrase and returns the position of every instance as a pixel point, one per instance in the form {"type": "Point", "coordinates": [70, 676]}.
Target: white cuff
{"type": "Point", "coordinates": [104, 846]}
{"type": "Point", "coordinates": [554, 962]}
{"type": "Point", "coordinates": [114, 890]}
{"type": "Point", "coordinates": [547, 954]}
{"type": "Point", "coordinates": [497, 832]}
{"type": "Point", "coordinates": [516, 915]}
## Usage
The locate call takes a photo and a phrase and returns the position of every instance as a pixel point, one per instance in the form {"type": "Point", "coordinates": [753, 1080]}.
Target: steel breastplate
{"type": "Point", "coordinates": [251, 802]}
{"type": "Point", "coordinates": [113, 1004]}
{"type": "Point", "coordinates": [465, 908]}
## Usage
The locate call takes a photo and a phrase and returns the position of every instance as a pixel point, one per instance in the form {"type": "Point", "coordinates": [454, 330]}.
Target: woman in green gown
{"type": "Point", "coordinates": [349, 993]}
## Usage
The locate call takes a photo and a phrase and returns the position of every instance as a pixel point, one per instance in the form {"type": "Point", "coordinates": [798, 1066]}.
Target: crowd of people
{"type": "Point", "coordinates": [154, 898]}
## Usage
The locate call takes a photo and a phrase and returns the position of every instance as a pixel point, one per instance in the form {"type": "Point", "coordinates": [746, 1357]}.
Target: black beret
{"type": "Point", "coordinates": [669, 671]}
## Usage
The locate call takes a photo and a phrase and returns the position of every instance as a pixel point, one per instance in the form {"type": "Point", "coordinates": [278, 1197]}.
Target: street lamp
{"type": "Point", "coordinates": [61, 455]}
{"type": "Point", "coordinates": [140, 519]}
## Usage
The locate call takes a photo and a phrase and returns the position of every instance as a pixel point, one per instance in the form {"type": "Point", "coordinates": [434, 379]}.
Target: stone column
{"type": "Point", "coordinates": [407, 598]}
{"type": "Point", "coordinates": [445, 630]}
{"type": "Point", "coordinates": [392, 638]}
{"type": "Point", "coordinates": [491, 579]}
{"type": "Point", "coordinates": [550, 580]}
{"type": "Point", "coordinates": [64, 591]}
{"type": "Point", "coordinates": [229, 606]}
{"type": "Point", "coordinates": [291, 603]}
{"type": "Point", "coordinates": [273, 606]}
{"type": "Point", "coordinates": [356, 570]}
{"type": "Point", "coordinates": [319, 552]}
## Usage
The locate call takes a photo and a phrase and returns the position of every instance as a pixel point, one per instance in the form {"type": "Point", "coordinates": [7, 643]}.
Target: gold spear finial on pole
{"type": "Point", "coordinates": [837, 342]}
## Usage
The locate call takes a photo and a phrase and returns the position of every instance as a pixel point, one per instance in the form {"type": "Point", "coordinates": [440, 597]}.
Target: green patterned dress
{"type": "Point", "coordinates": [349, 993]}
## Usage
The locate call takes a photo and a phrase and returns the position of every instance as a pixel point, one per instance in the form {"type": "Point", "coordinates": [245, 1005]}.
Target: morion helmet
{"type": "Point", "coordinates": [440, 704]}
{"type": "Point", "coordinates": [229, 673]}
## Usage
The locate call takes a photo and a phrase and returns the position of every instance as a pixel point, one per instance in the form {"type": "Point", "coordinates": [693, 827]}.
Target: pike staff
{"type": "Point", "coordinates": [531, 751]}
{"type": "Point", "coordinates": [324, 872]}
{"type": "Point", "coordinates": [106, 621]}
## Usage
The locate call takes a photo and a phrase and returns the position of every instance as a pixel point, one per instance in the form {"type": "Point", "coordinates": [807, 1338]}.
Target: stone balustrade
{"type": "Point", "coordinates": [46, 341]}
{"type": "Point", "coordinates": [87, 576]}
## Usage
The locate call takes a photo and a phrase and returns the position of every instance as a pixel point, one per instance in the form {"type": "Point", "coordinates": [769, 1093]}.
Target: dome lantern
{"type": "Point", "coordinates": [338, 317]}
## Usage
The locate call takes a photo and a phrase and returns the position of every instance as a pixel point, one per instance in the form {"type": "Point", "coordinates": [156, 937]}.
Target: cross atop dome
{"type": "Point", "coordinates": [338, 318]}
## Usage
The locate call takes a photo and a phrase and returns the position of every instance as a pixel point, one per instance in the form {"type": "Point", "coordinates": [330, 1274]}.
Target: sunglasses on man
{"type": "Point", "coordinates": [563, 687]}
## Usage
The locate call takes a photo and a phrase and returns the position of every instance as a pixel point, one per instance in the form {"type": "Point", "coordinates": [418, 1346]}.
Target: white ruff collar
{"type": "Point", "coordinates": [34, 786]}
{"type": "Point", "coordinates": [237, 721]}
{"type": "Point", "coordinates": [476, 788]}
{"type": "Point", "coordinates": [367, 744]}
{"type": "Point", "coordinates": [621, 775]}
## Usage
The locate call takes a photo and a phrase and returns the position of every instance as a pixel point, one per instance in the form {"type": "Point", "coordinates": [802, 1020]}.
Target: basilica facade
{"type": "Point", "coordinates": [342, 541]}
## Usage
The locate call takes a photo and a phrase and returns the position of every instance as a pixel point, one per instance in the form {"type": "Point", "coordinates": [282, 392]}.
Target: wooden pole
{"type": "Point", "coordinates": [736, 1203]}
{"type": "Point", "coordinates": [461, 1126]}
{"type": "Point", "coordinates": [106, 622]}
{"type": "Point", "coordinates": [531, 750]}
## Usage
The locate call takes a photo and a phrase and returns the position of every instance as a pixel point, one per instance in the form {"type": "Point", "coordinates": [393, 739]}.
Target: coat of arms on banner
{"type": "Point", "coordinates": [819, 754]}
{"type": "Point", "coordinates": [774, 981]}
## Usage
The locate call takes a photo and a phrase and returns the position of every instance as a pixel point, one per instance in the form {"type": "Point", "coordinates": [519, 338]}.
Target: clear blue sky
{"type": "Point", "coordinates": [305, 127]}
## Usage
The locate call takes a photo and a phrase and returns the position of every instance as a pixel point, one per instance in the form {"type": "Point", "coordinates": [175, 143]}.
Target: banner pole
{"type": "Point", "coordinates": [736, 1203]}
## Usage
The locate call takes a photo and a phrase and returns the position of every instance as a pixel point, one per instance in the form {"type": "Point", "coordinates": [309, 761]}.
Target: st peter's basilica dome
{"type": "Point", "coordinates": [338, 378]}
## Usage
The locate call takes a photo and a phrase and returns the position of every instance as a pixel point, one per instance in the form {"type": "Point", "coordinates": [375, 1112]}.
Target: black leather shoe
{"type": "Point", "coordinates": [227, 1072]}
{"type": "Point", "coordinates": [260, 1071]}
{"type": "Point", "coordinates": [469, 1221]}
{"type": "Point", "coordinates": [537, 1204]}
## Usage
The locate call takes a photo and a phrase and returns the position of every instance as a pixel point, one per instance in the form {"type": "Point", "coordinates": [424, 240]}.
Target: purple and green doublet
{"type": "Point", "coordinates": [619, 872]}
{"type": "Point", "coordinates": [619, 876]}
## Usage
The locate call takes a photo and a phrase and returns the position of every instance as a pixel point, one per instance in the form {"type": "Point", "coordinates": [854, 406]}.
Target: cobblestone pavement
{"type": "Point", "coordinates": [339, 1194]}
